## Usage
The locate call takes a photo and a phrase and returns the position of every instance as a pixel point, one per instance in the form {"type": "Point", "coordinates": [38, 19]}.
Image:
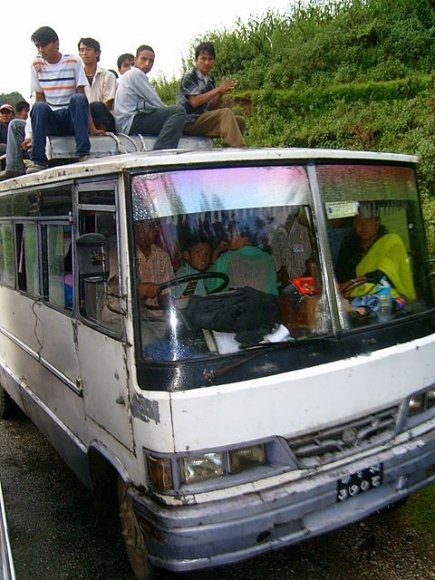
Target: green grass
{"type": "Point", "coordinates": [420, 511]}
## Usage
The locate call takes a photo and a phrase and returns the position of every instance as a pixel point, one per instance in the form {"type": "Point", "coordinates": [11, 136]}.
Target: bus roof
{"type": "Point", "coordinates": [158, 159]}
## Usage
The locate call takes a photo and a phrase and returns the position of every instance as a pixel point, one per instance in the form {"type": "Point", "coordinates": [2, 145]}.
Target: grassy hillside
{"type": "Point", "coordinates": [355, 74]}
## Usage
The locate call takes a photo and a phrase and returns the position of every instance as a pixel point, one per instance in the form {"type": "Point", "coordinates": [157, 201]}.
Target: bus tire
{"type": "Point", "coordinates": [137, 551]}
{"type": "Point", "coordinates": [7, 406]}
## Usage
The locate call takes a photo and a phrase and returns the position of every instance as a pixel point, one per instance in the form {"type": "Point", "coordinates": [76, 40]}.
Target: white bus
{"type": "Point", "coordinates": [280, 388]}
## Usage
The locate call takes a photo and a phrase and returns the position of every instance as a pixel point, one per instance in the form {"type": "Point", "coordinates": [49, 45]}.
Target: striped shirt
{"type": "Point", "coordinates": [58, 81]}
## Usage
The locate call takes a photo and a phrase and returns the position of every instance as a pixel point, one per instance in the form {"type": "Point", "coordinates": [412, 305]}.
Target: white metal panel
{"type": "Point", "coordinates": [152, 430]}
{"type": "Point", "coordinates": [104, 379]}
{"type": "Point", "coordinates": [301, 401]}
{"type": "Point", "coordinates": [166, 159]}
{"type": "Point", "coordinates": [37, 346]}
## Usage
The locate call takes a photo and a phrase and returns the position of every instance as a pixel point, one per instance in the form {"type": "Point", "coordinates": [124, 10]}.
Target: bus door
{"type": "Point", "coordinates": [100, 327]}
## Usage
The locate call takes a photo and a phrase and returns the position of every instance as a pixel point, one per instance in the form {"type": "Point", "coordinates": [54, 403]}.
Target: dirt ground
{"type": "Point", "coordinates": [57, 533]}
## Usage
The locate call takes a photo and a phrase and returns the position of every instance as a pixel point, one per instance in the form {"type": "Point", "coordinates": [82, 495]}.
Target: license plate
{"type": "Point", "coordinates": [359, 482]}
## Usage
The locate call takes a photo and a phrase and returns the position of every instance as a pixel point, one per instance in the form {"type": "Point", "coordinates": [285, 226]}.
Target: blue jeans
{"type": "Point", "coordinates": [103, 119]}
{"type": "Point", "coordinates": [14, 153]}
{"type": "Point", "coordinates": [71, 120]}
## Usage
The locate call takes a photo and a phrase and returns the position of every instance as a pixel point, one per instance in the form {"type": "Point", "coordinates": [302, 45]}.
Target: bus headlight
{"type": "Point", "coordinates": [247, 457]}
{"type": "Point", "coordinates": [421, 402]}
{"type": "Point", "coordinates": [172, 471]}
{"type": "Point", "coordinates": [200, 467]}
{"type": "Point", "coordinates": [159, 472]}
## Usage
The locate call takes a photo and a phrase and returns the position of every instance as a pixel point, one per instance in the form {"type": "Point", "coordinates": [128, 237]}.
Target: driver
{"type": "Point", "coordinates": [197, 256]}
{"type": "Point", "coordinates": [372, 252]}
{"type": "Point", "coordinates": [154, 265]}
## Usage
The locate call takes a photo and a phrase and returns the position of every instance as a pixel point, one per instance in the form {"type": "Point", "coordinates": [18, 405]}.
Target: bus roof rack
{"type": "Point", "coordinates": [62, 149]}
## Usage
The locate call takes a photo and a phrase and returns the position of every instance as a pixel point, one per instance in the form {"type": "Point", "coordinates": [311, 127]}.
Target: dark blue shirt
{"type": "Point", "coordinates": [194, 83]}
{"type": "Point", "coordinates": [3, 133]}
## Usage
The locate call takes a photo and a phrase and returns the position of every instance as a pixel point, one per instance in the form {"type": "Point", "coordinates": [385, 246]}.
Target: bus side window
{"type": "Point", "coordinates": [27, 258]}
{"type": "Point", "coordinates": [100, 302]}
{"type": "Point", "coordinates": [57, 265]}
{"type": "Point", "coordinates": [7, 272]}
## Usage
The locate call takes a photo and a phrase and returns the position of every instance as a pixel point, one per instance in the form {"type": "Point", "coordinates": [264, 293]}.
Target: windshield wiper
{"type": "Point", "coordinates": [262, 349]}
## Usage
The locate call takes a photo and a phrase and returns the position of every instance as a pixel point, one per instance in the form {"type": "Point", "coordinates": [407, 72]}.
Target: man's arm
{"type": "Point", "coordinates": [143, 87]}
{"type": "Point", "coordinates": [92, 130]}
{"type": "Point", "coordinates": [109, 89]}
{"type": "Point", "coordinates": [39, 96]}
{"type": "Point", "coordinates": [213, 97]}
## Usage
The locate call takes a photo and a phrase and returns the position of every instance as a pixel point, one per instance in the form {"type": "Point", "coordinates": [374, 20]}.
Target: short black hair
{"type": "Point", "coordinates": [207, 47]}
{"type": "Point", "coordinates": [91, 43]}
{"type": "Point", "coordinates": [21, 105]}
{"type": "Point", "coordinates": [124, 57]}
{"type": "Point", "coordinates": [144, 47]}
{"type": "Point", "coordinates": [44, 35]}
{"type": "Point", "coordinates": [193, 240]}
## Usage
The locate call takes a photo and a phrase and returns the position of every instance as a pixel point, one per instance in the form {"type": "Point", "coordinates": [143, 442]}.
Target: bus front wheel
{"type": "Point", "coordinates": [137, 551]}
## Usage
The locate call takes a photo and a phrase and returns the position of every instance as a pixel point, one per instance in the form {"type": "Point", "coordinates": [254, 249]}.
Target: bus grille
{"type": "Point", "coordinates": [331, 444]}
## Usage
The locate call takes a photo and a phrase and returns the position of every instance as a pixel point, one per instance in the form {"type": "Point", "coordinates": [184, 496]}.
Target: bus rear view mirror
{"type": "Point", "coordinates": [93, 258]}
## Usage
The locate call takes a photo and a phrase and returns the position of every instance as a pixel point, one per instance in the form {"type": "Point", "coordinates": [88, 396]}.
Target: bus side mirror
{"type": "Point", "coordinates": [93, 258]}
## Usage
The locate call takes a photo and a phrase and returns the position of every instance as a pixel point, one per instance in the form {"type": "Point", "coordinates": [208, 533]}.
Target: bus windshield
{"type": "Point", "coordinates": [232, 258]}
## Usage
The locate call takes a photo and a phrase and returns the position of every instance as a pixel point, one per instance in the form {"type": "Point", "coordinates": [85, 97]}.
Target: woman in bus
{"type": "Point", "coordinates": [371, 252]}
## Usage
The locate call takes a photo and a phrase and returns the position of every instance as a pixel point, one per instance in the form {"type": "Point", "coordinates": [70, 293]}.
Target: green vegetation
{"type": "Point", "coordinates": [419, 510]}
{"type": "Point", "coordinates": [354, 74]}
{"type": "Point", "coordinates": [11, 98]}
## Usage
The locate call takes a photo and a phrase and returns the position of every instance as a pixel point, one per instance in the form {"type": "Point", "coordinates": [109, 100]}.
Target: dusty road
{"type": "Point", "coordinates": [57, 532]}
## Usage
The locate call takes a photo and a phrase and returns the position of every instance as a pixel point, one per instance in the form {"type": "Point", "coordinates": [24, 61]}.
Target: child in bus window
{"type": "Point", "coordinates": [197, 256]}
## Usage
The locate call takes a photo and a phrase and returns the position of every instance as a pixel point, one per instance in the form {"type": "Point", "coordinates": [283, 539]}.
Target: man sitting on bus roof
{"type": "Point", "coordinates": [61, 108]}
{"type": "Point", "coordinates": [7, 113]}
{"type": "Point", "coordinates": [102, 85]}
{"type": "Point", "coordinates": [19, 143]}
{"type": "Point", "coordinates": [140, 111]}
{"type": "Point", "coordinates": [124, 63]}
{"type": "Point", "coordinates": [207, 114]}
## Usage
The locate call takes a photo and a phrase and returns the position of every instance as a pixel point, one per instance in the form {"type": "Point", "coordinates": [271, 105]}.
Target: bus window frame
{"type": "Point", "coordinates": [95, 186]}
{"type": "Point", "coordinates": [10, 222]}
{"type": "Point", "coordinates": [44, 223]}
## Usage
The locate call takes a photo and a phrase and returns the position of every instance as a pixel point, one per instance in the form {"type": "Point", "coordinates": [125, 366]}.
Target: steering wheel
{"type": "Point", "coordinates": [347, 287]}
{"type": "Point", "coordinates": [199, 276]}
{"type": "Point", "coordinates": [183, 280]}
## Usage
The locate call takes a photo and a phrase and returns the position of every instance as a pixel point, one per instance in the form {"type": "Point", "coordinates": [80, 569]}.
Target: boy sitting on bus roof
{"type": "Point", "coordinates": [102, 84]}
{"type": "Point", "coordinates": [61, 108]}
{"type": "Point", "coordinates": [207, 114]}
{"type": "Point", "coordinates": [140, 111]}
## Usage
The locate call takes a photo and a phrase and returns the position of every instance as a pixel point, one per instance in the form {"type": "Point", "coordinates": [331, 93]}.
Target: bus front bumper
{"type": "Point", "coordinates": [225, 531]}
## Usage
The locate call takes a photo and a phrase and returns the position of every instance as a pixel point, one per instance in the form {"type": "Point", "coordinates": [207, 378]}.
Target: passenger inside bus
{"type": "Point", "coordinates": [197, 258]}
{"type": "Point", "coordinates": [245, 264]}
{"type": "Point", "coordinates": [154, 265]}
{"type": "Point", "coordinates": [371, 252]}
{"type": "Point", "coordinates": [291, 247]}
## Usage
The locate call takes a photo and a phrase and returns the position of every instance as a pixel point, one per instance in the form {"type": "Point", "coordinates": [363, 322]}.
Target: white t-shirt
{"type": "Point", "coordinates": [58, 81]}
